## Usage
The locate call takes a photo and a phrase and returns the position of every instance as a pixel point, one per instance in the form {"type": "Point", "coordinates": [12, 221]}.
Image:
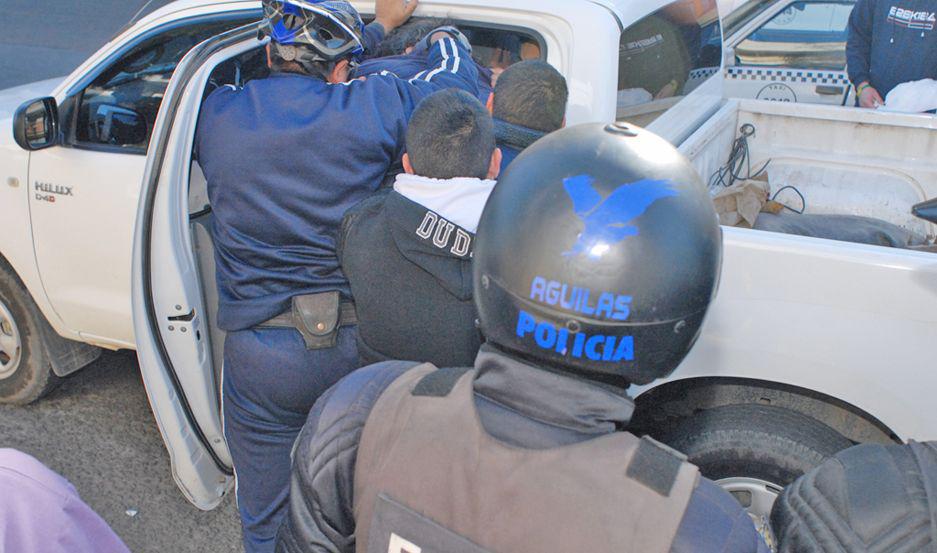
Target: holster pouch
{"type": "Point", "coordinates": [317, 317]}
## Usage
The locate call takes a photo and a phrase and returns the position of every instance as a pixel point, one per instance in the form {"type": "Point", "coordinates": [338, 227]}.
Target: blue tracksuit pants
{"type": "Point", "coordinates": [270, 383]}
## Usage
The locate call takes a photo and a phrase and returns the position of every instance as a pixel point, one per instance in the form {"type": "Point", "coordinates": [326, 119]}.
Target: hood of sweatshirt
{"type": "Point", "coordinates": [439, 237]}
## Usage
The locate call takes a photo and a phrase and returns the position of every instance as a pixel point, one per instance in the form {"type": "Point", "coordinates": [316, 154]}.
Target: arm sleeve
{"type": "Point", "coordinates": [320, 517]}
{"type": "Point", "coordinates": [374, 34]}
{"type": "Point", "coordinates": [715, 522]}
{"type": "Point", "coordinates": [859, 41]}
{"type": "Point", "coordinates": [449, 65]}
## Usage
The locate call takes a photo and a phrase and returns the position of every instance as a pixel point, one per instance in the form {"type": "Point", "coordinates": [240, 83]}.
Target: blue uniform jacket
{"type": "Point", "coordinates": [408, 66]}
{"type": "Point", "coordinates": [285, 157]}
{"type": "Point", "coordinates": [892, 42]}
{"type": "Point", "coordinates": [517, 404]}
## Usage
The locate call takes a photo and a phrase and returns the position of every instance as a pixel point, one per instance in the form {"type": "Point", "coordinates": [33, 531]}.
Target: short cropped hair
{"type": "Point", "coordinates": [451, 135]}
{"type": "Point", "coordinates": [531, 94]}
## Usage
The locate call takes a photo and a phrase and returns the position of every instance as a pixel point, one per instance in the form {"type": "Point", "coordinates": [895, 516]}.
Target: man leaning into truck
{"type": "Point", "coordinates": [285, 157]}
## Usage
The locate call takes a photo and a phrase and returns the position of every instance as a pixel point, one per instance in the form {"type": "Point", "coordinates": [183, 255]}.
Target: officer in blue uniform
{"type": "Point", "coordinates": [285, 157]}
{"type": "Point", "coordinates": [584, 285]}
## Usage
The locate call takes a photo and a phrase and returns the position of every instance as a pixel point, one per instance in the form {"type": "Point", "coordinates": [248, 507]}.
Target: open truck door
{"type": "Point", "coordinates": [171, 317]}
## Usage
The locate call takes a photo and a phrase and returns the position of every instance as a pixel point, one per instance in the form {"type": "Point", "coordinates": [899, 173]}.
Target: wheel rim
{"type": "Point", "coordinates": [11, 346]}
{"type": "Point", "coordinates": [757, 497]}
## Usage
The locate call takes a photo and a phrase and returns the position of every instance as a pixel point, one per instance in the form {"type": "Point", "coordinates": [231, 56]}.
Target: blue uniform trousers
{"type": "Point", "coordinates": [270, 383]}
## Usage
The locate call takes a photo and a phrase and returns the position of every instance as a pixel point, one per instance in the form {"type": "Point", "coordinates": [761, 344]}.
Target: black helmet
{"type": "Point", "coordinates": [598, 252]}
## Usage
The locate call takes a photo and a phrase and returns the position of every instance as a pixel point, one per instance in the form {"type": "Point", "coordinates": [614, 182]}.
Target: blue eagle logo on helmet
{"type": "Point", "coordinates": [607, 219]}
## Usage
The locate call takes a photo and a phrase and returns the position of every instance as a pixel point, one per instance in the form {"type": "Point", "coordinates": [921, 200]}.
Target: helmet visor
{"type": "Point", "coordinates": [332, 28]}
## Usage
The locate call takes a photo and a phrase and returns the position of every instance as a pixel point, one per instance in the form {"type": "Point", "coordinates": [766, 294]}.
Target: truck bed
{"type": "Point", "coordinates": [843, 160]}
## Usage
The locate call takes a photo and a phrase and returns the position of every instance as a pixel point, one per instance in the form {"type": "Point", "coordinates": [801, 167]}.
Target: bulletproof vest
{"type": "Point", "coordinates": [866, 499]}
{"type": "Point", "coordinates": [430, 479]}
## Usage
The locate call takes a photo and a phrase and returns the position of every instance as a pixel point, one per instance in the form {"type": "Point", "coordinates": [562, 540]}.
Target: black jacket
{"type": "Point", "coordinates": [412, 285]}
{"type": "Point", "coordinates": [517, 404]}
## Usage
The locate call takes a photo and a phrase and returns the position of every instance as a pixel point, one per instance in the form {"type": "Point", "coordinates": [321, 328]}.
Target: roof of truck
{"type": "Point", "coordinates": [621, 8]}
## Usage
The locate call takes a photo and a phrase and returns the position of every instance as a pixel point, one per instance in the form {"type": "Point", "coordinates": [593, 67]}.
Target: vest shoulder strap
{"type": "Point", "coordinates": [656, 465]}
{"type": "Point", "coordinates": [439, 383]}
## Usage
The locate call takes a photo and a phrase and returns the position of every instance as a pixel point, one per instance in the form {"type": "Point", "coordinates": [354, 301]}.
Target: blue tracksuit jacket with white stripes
{"type": "Point", "coordinates": [285, 157]}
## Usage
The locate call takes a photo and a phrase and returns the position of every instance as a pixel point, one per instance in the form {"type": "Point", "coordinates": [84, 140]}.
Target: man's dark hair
{"type": "Point", "coordinates": [407, 35]}
{"type": "Point", "coordinates": [531, 94]}
{"type": "Point", "coordinates": [451, 135]}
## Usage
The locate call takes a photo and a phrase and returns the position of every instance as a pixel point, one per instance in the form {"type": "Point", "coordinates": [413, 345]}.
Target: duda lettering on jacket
{"type": "Point", "coordinates": [603, 305]}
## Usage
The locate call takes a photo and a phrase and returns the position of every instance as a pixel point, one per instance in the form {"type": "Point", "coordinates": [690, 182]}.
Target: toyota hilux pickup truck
{"type": "Point", "coordinates": [810, 346]}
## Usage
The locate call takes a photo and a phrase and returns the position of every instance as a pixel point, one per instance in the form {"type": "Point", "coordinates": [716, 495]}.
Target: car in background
{"type": "Point", "coordinates": [788, 51]}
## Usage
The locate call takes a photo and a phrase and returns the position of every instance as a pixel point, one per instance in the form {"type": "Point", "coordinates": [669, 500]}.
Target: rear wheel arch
{"type": "Point", "coordinates": [668, 404]}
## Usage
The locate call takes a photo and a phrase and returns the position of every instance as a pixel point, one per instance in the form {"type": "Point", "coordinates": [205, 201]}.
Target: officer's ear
{"type": "Point", "coordinates": [495, 168]}
{"type": "Point", "coordinates": [340, 72]}
{"type": "Point", "coordinates": [407, 167]}
{"type": "Point", "coordinates": [490, 104]}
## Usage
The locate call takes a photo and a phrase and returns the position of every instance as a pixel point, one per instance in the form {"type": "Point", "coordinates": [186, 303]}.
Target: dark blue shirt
{"type": "Point", "coordinates": [285, 157]}
{"type": "Point", "coordinates": [892, 42]}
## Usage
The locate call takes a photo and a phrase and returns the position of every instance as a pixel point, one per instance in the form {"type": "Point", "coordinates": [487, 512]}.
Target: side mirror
{"type": "Point", "coordinates": [926, 210]}
{"type": "Point", "coordinates": [36, 124]}
{"type": "Point", "coordinates": [118, 125]}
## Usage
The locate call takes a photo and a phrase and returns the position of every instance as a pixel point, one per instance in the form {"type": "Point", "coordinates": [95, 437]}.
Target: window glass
{"type": "Point", "coordinates": [805, 35]}
{"type": "Point", "coordinates": [120, 106]}
{"type": "Point", "coordinates": [743, 14]}
{"type": "Point", "coordinates": [666, 55]}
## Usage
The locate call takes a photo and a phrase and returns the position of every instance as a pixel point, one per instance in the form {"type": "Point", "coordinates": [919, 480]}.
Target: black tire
{"type": "Point", "coordinates": [769, 443]}
{"type": "Point", "coordinates": [31, 377]}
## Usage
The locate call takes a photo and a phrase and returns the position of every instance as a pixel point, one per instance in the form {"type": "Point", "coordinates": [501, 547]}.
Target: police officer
{"type": "Point", "coordinates": [596, 259]}
{"type": "Point", "coordinates": [285, 157]}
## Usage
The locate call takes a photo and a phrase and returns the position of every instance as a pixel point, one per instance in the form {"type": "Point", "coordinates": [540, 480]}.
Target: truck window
{"type": "Point", "coordinates": [665, 56]}
{"type": "Point", "coordinates": [805, 35]}
{"type": "Point", "coordinates": [742, 14]}
{"type": "Point", "coordinates": [118, 109]}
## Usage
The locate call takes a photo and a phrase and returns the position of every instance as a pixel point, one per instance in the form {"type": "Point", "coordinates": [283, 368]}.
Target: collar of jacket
{"type": "Point", "coordinates": [515, 136]}
{"type": "Point", "coordinates": [459, 201]}
{"type": "Point", "coordinates": [548, 396]}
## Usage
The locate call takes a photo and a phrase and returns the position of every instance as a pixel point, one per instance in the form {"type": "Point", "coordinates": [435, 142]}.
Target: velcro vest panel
{"type": "Point", "coordinates": [867, 499]}
{"type": "Point", "coordinates": [430, 479]}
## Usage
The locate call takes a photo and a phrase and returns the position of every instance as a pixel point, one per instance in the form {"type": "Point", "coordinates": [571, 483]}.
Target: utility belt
{"type": "Point", "coordinates": [317, 317]}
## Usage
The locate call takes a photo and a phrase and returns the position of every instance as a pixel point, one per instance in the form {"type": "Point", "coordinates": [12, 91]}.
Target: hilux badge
{"type": "Point", "coordinates": [46, 192]}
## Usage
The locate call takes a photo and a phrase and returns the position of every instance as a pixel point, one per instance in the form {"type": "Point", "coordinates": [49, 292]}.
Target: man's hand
{"type": "Point", "coordinates": [869, 97]}
{"type": "Point", "coordinates": [394, 13]}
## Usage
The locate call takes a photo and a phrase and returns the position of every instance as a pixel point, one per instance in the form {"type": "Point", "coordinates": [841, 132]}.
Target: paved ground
{"type": "Point", "coordinates": [97, 429]}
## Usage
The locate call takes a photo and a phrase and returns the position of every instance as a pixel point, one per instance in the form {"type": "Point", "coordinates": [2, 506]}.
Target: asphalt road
{"type": "Point", "coordinates": [97, 429]}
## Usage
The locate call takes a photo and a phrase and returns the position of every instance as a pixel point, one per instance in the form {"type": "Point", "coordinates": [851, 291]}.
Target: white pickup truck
{"type": "Point", "coordinates": [811, 345]}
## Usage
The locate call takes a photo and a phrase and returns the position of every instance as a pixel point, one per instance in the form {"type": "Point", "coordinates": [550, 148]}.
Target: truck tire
{"type": "Point", "coordinates": [25, 370]}
{"type": "Point", "coordinates": [753, 451]}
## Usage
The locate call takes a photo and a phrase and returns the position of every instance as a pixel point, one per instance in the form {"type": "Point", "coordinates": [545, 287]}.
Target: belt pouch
{"type": "Point", "coordinates": [316, 316]}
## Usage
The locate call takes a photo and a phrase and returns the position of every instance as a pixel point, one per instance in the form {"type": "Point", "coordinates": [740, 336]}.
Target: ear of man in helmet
{"type": "Point", "coordinates": [324, 38]}
{"type": "Point", "coordinates": [621, 255]}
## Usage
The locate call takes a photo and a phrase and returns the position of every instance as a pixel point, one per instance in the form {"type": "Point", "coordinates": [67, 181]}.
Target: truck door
{"type": "Point", "coordinates": [797, 55]}
{"type": "Point", "coordinates": [173, 300]}
{"type": "Point", "coordinates": [84, 192]}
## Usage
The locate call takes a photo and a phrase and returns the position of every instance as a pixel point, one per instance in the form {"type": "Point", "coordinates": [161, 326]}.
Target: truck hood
{"type": "Point", "coordinates": [12, 98]}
